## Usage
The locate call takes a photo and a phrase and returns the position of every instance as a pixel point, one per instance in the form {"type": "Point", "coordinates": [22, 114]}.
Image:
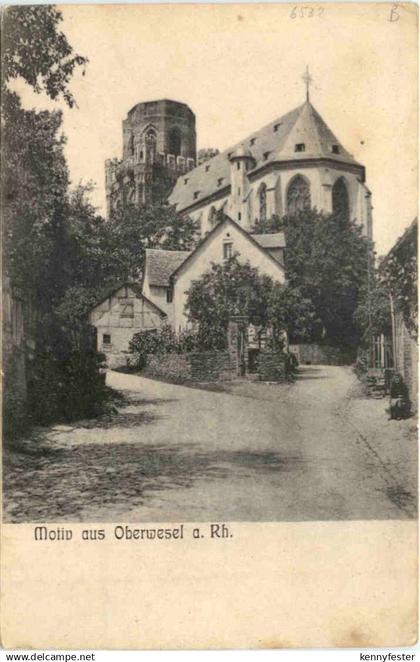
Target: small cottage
{"type": "Point", "coordinates": [122, 313]}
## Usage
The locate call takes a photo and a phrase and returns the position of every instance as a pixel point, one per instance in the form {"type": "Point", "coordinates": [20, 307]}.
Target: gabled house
{"type": "Point", "coordinates": [121, 313]}
{"type": "Point", "coordinates": [169, 274]}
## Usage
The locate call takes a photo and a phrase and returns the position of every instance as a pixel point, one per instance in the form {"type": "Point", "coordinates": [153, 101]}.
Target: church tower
{"type": "Point", "coordinates": [241, 162]}
{"type": "Point", "coordinates": [159, 145]}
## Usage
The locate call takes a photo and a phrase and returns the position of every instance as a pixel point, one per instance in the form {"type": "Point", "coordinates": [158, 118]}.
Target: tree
{"type": "Point", "coordinates": [235, 287]}
{"type": "Point", "coordinates": [131, 230]}
{"type": "Point", "coordinates": [373, 312]}
{"type": "Point", "coordinates": [43, 255]}
{"type": "Point", "coordinates": [398, 275]}
{"type": "Point", "coordinates": [33, 48]}
{"type": "Point", "coordinates": [326, 260]}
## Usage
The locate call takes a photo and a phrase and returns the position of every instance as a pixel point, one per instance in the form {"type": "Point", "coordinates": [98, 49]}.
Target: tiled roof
{"type": "Point", "coordinates": [274, 240]}
{"type": "Point", "coordinates": [161, 264]}
{"type": "Point", "coordinates": [274, 142]}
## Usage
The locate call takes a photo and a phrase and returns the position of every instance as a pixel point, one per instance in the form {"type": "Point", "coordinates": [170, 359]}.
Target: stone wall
{"type": "Point", "coordinates": [211, 366]}
{"type": "Point", "coordinates": [318, 354]}
{"type": "Point", "coordinates": [171, 367]}
{"type": "Point", "coordinates": [271, 366]}
{"type": "Point", "coordinates": [194, 366]}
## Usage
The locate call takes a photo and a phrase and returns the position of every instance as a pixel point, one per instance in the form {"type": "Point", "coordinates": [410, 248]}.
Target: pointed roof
{"type": "Point", "coordinates": [110, 291]}
{"type": "Point", "coordinates": [273, 143]}
{"type": "Point", "coordinates": [277, 242]}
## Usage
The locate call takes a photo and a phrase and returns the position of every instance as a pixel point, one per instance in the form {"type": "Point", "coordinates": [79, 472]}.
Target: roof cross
{"type": "Point", "coordinates": [307, 78]}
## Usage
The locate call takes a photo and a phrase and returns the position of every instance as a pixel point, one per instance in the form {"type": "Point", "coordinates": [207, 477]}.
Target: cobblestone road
{"type": "Point", "coordinates": [314, 450]}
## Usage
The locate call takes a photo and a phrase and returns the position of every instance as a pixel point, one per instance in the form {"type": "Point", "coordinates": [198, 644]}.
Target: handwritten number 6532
{"type": "Point", "coordinates": [305, 11]}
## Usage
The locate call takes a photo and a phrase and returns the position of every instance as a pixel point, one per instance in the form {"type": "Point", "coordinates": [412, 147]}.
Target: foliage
{"type": "Point", "coordinates": [373, 314]}
{"type": "Point", "coordinates": [237, 288]}
{"type": "Point", "coordinates": [361, 365]}
{"type": "Point", "coordinates": [50, 236]}
{"type": "Point", "coordinates": [131, 230]}
{"type": "Point", "coordinates": [291, 311]}
{"type": "Point", "coordinates": [398, 272]}
{"type": "Point", "coordinates": [65, 384]}
{"type": "Point", "coordinates": [171, 367]}
{"type": "Point", "coordinates": [326, 261]}
{"type": "Point", "coordinates": [160, 342]}
{"type": "Point", "coordinates": [33, 48]}
{"type": "Point", "coordinates": [268, 225]}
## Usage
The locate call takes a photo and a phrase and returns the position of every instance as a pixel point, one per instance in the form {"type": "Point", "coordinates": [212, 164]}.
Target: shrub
{"type": "Point", "coordinates": [163, 341]}
{"type": "Point", "coordinates": [66, 388]}
{"type": "Point", "coordinates": [170, 367]}
{"type": "Point", "coordinates": [361, 365]}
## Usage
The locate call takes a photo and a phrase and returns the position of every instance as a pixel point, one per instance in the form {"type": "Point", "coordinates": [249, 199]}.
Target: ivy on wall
{"type": "Point", "coordinates": [399, 275]}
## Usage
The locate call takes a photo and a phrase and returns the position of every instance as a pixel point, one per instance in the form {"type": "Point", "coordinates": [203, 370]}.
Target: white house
{"type": "Point", "coordinates": [169, 275]}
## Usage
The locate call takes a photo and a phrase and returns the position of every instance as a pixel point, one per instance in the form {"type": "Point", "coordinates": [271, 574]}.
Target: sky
{"type": "Point", "coordinates": [239, 67]}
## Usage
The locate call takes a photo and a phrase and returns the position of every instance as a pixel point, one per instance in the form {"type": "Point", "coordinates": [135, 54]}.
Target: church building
{"type": "Point", "coordinates": [293, 163]}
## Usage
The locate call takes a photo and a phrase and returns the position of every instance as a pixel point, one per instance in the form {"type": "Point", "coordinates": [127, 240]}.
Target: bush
{"type": "Point", "coordinates": [163, 341]}
{"type": "Point", "coordinates": [14, 396]}
{"type": "Point", "coordinates": [67, 388]}
{"type": "Point", "coordinates": [170, 367]}
{"type": "Point", "coordinates": [362, 364]}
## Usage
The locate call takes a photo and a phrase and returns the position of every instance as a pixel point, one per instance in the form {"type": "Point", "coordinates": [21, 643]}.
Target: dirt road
{"type": "Point", "coordinates": [314, 450]}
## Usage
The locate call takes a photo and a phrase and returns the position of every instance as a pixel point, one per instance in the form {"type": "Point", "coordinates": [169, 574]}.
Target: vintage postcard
{"type": "Point", "coordinates": [209, 325]}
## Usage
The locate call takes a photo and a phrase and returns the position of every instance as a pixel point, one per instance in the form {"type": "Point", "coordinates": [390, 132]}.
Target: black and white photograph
{"type": "Point", "coordinates": [210, 303]}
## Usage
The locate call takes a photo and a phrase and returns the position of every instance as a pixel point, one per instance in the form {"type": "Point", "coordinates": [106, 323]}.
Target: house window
{"type": "Point", "coordinates": [239, 215]}
{"type": "Point", "coordinates": [298, 195]}
{"type": "Point", "coordinates": [196, 194]}
{"type": "Point", "coordinates": [207, 168]}
{"type": "Point", "coordinates": [127, 310]}
{"type": "Point", "coordinates": [239, 190]}
{"type": "Point", "coordinates": [106, 339]}
{"type": "Point", "coordinates": [300, 147]}
{"type": "Point", "coordinates": [262, 199]}
{"type": "Point", "coordinates": [252, 141]}
{"type": "Point", "coordinates": [238, 165]}
{"type": "Point", "coordinates": [219, 181]}
{"type": "Point", "coordinates": [276, 127]}
{"type": "Point", "coordinates": [186, 180]}
{"type": "Point", "coordinates": [266, 155]}
{"type": "Point", "coordinates": [335, 149]}
{"type": "Point", "coordinates": [227, 250]}
{"type": "Point", "coordinates": [169, 294]}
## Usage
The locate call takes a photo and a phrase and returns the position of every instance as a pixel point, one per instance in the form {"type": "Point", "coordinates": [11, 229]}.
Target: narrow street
{"type": "Point", "coordinates": [313, 450]}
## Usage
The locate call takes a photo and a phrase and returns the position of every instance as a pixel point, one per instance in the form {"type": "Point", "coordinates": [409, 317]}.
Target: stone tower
{"type": "Point", "coordinates": [159, 145]}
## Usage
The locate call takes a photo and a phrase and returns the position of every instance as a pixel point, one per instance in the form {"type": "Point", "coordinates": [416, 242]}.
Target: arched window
{"type": "Point", "coordinates": [212, 218]}
{"type": "Point", "coordinates": [150, 139]}
{"type": "Point", "coordinates": [298, 195]}
{"type": "Point", "coordinates": [262, 200]}
{"type": "Point", "coordinates": [175, 142]}
{"type": "Point", "coordinates": [131, 145]}
{"type": "Point", "coordinates": [340, 200]}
